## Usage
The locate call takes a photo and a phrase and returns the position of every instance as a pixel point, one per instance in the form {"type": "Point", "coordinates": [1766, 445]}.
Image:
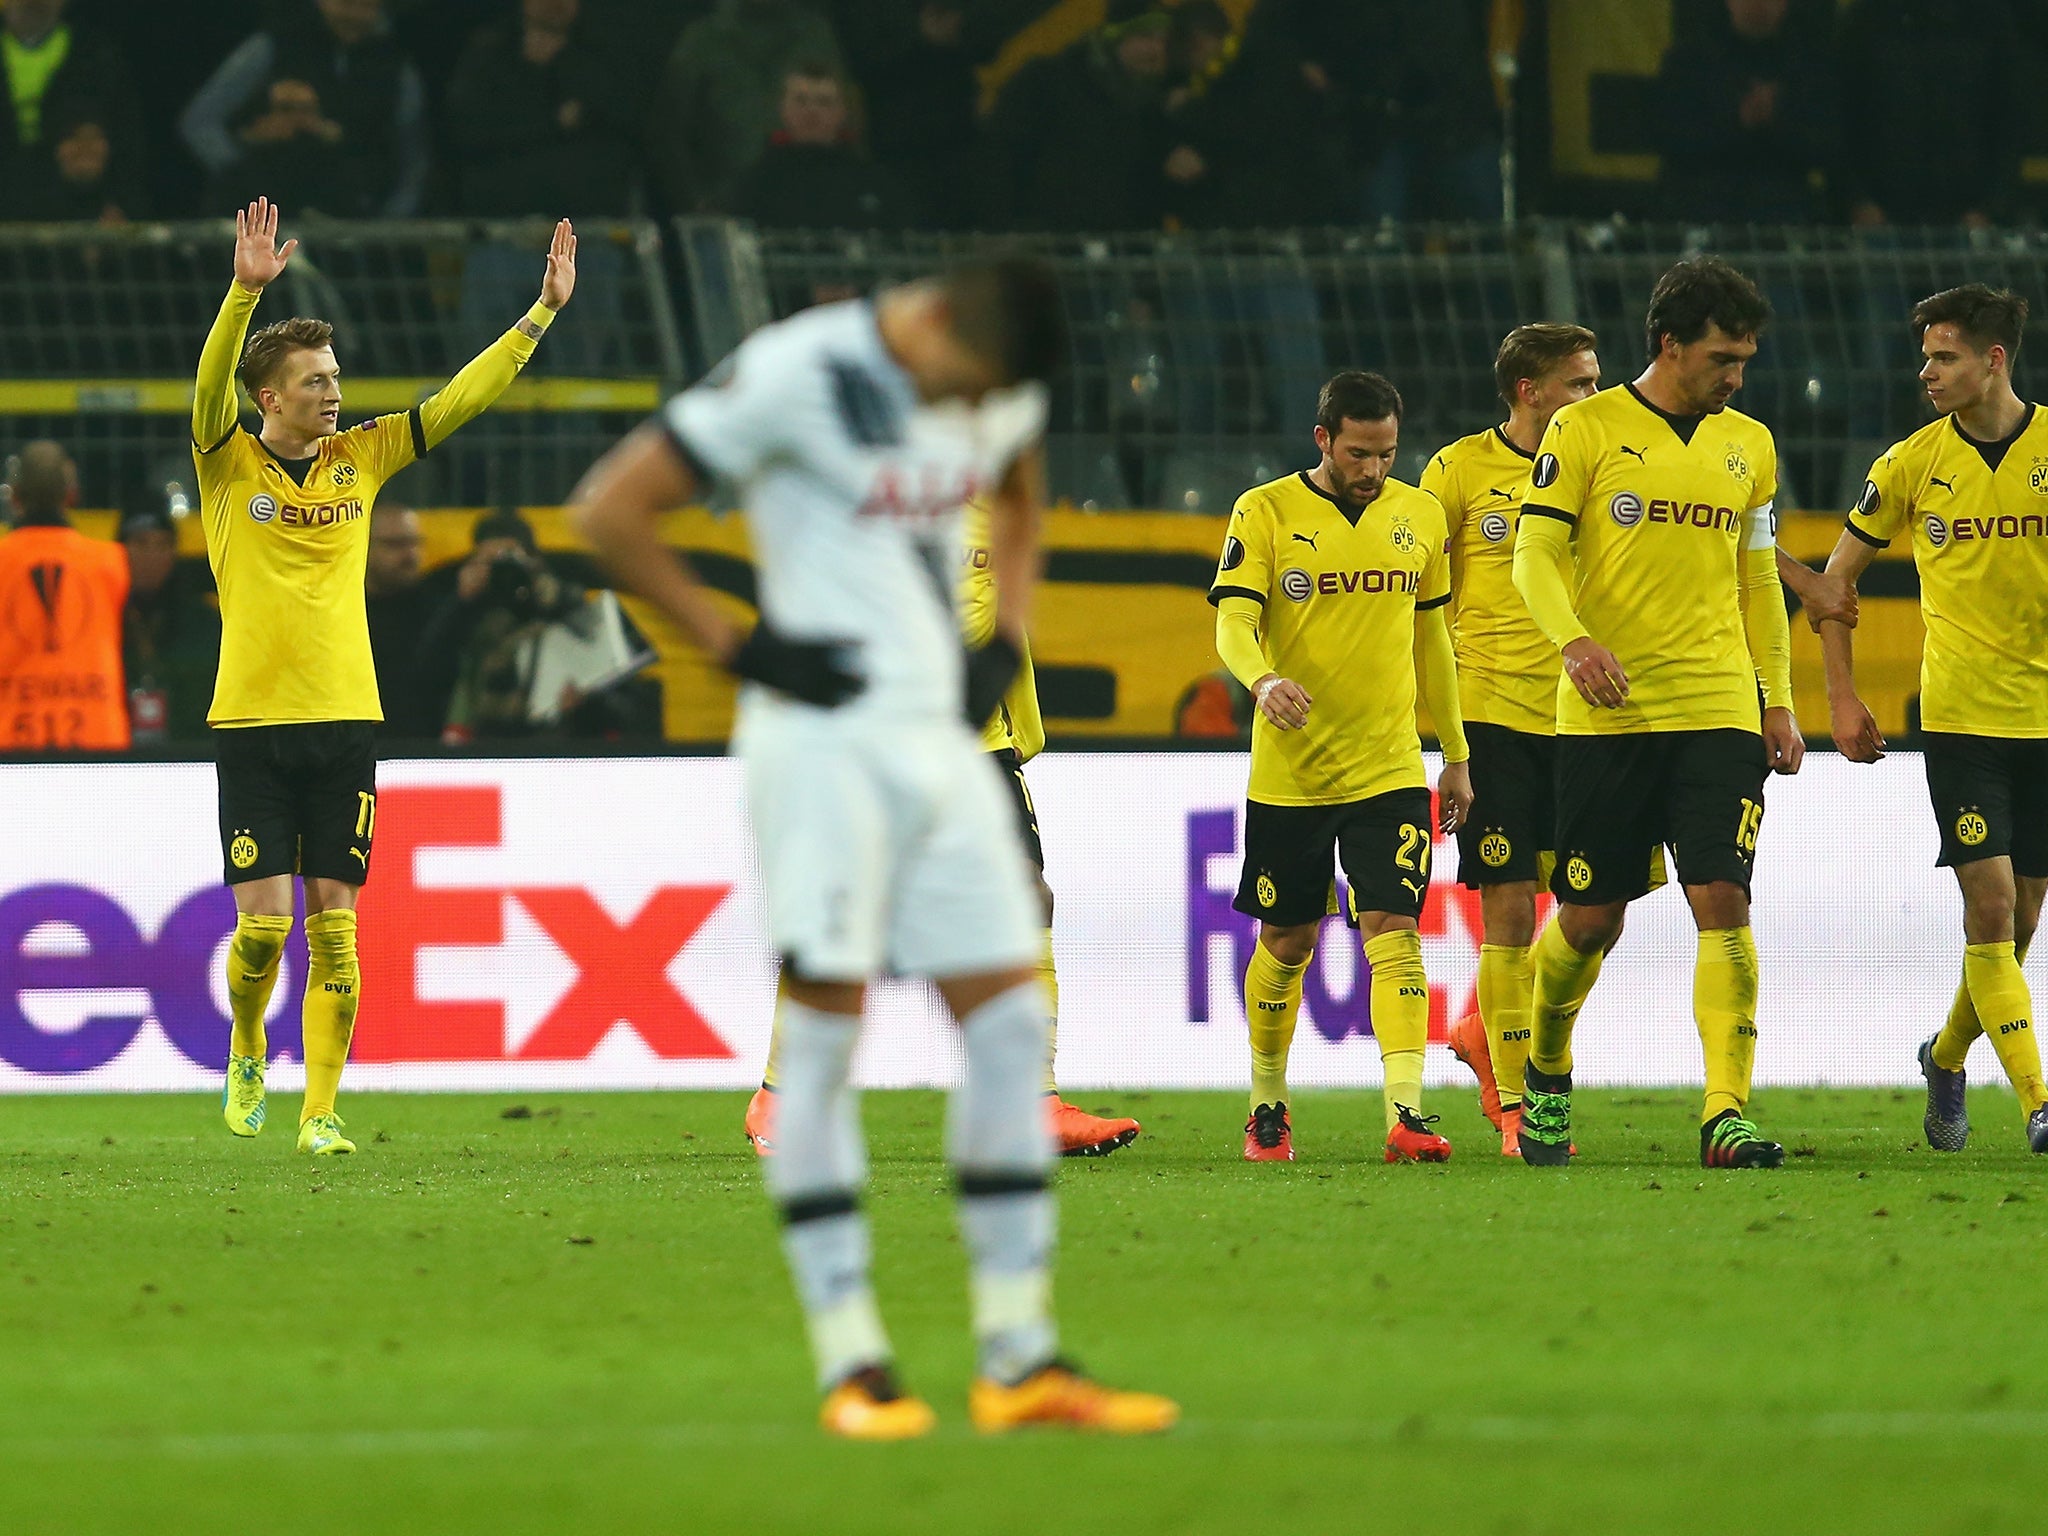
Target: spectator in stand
{"type": "Point", "coordinates": [1915, 151]}
{"type": "Point", "coordinates": [170, 631]}
{"type": "Point", "coordinates": [61, 595]}
{"type": "Point", "coordinates": [1412, 78]}
{"type": "Point", "coordinates": [1746, 100]}
{"type": "Point", "coordinates": [415, 662]}
{"type": "Point", "coordinates": [70, 142]}
{"type": "Point", "coordinates": [921, 95]}
{"type": "Point", "coordinates": [538, 120]}
{"type": "Point", "coordinates": [504, 596]}
{"type": "Point", "coordinates": [1074, 141]}
{"type": "Point", "coordinates": [320, 110]}
{"type": "Point", "coordinates": [1250, 145]}
{"type": "Point", "coordinates": [811, 175]}
{"type": "Point", "coordinates": [721, 95]}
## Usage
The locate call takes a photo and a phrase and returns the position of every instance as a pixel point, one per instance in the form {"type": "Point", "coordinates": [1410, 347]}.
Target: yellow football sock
{"type": "Point", "coordinates": [1506, 979]}
{"type": "Point", "coordinates": [1998, 989]}
{"type": "Point", "coordinates": [1960, 1032]}
{"type": "Point", "coordinates": [1272, 998]}
{"type": "Point", "coordinates": [1724, 1007]}
{"type": "Point", "coordinates": [1563, 980]}
{"type": "Point", "coordinates": [1400, 1015]}
{"type": "Point", "coordinates": [1050, 976]}
{"type": "Point", "coordinates": [333, 989]}
{"type": "Point", "coordinates": [253, 953]}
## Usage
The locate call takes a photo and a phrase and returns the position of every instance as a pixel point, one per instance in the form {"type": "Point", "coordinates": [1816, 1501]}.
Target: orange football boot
{"type": "Point", "coordinates": [1059, 1395]}
{"type": "Point", "coordinates": [760, 1122]}
{"type": "Point", "coordinates": [1511, 1133]}
{"type": "Point", "coordinates": [868, 1406]}
{"type": "Point", "coordinates": [1412, 1141]}
{"type": "Point", "coordinates": [1469, 1045]}
{"type": "Point", "coordinates": [1269, 1135]}
{"type": "Point", "coordinates": [1081, 1134]}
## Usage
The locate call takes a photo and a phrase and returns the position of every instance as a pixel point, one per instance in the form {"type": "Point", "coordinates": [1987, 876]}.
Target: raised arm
{"type": "Point", "coordinates": [484, 377]}
{"type": "Point", "coordinates": [258, 261]}
{"type": "Point", "coordinates": [1850, 721]}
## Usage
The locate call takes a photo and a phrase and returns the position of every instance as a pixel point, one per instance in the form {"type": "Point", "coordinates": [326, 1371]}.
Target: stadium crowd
{"type": "Point", "coordinates": [1043, 114]}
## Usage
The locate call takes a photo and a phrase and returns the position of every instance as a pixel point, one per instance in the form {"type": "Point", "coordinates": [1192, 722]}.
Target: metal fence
{"type": "Point", "coordinates": [1198, 357]}
{"type": "Point", "coordinates": [103, 327]}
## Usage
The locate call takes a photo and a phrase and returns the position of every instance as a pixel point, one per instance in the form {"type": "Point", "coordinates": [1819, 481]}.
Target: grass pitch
{"type": "Point", "coordinates": [577, 1320]}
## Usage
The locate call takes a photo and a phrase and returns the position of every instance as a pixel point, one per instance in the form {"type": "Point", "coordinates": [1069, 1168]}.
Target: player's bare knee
{"type": "Point", "coordinates": [2026, 911]}
{"type": "Point", "coordinates": [1591, 930]}
{"type": "Point", "coordinates": [843, 997]}
{"type": "Point", "coordinates": [1508, 914]}
{"type": "Point", "coordinates": [1718, 904]}
{"type": "Point", "coordinates": [1291, 945]}
{"type": "Point", "coordinates": [965, 995]}
{"type": "Point", "coordinates": [1372, 924]}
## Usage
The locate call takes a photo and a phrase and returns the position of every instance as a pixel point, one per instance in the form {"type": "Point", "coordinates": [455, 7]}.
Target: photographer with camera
{"type": "Point", "coordinates": [504, 597]}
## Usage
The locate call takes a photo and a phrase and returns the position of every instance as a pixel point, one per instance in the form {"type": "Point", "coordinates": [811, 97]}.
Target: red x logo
{"type": "Point", "coordinates": [620, 973]}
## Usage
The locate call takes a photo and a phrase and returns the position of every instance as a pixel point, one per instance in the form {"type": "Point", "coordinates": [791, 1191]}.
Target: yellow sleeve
{"type": "Point", "coordinates": [1440, 681]}
{"type": "Point", "coordinates": [977, 595]}
{"type": "Point", "coordinates": [1245, 568]}
{"type": "Point", "coordinates": [1542, 545]}
{"type": "Point", "coordinates": [1439, 478]}
{"type": "Point", "coordinates": [1764, 624]}
{"type": "Point", "coordinates": [214, 403]}
{"type": "Point", "coordinates": [482, 379]}
{"type": "Point", "coordinates": [1883, 510]}
{"type": "Point", "coordinates": [1237, 638]}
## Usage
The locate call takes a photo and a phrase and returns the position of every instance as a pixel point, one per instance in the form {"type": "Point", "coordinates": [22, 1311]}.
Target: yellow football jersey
{"type": "Point", "coordinates": [1339, 602]}
{"type": "Point", "coordinates": [1978, 513]}
{"type": "Point", "coordinates": [1507, 667]}
{"type": "Point", "coordinates": [1661, 509]}
{"type": "Point", "coordinates": [288, 542]}
{"type": "Point", "coordinates": [1016, 725]}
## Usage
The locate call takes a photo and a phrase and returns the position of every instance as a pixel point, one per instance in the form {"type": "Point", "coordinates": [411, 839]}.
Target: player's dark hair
{"type": "Point", "coordinates": [268, 348]}
{"type": "Point", "coordinates": [1703, 291]}
{"type": "Point", "coordinates": [1531, 351]}
{"type": "Point", "coordinates": [1009, 311]}
{"type": "Point", "coordinates": [1355, 395]}
{"type": "Point", "coordinates": [1987, 317]}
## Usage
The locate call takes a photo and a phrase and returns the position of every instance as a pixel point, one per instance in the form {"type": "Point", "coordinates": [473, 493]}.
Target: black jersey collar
{"type": "Point", "coordinates": [1345, 512]}
{"type": "Point", "coordinates": [1684, 426]}
{"type": "Point", "coordinates": [1511, 445]}
{"type": "Point", "coordinates": [1994, 453]}
{"type": "Point", "coordinates": [298, 469]}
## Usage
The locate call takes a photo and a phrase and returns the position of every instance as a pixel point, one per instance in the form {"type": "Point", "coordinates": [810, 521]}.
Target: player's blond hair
{"type": "Point", "coordinates": [268, 348]}
{"type": "Point", "coordinates": [1531, 351]}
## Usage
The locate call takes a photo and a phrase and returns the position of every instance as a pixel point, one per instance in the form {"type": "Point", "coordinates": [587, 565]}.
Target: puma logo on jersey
{"type": "Point", "coordinates": [1414, 887]}
{"type": "Point", "coordinates": [1307, 538]}
{"type": "Point", "coordinates": [1494, 490]}
{"type": "Point", "coordinates": [362, 858]}
{"type": "Point", "coordinates": [1638, 454]}
{"type": "Point", "coordinates": [1946, 485]}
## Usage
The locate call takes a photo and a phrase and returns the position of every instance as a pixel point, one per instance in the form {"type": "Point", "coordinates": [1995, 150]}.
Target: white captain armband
{"type": "Point", "coordinates": [1763, 527]}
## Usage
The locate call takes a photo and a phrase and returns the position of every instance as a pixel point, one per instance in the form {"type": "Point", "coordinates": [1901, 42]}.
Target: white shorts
{"type": "Point", "coordinates": [886, 849]}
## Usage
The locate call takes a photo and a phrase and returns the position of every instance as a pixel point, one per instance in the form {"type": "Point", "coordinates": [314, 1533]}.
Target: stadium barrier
{"type": "Point", "coordinates": [564, 924]}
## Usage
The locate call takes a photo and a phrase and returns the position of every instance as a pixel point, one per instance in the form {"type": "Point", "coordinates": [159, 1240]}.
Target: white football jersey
{"type": "Point", "coordinates": [853, 488]}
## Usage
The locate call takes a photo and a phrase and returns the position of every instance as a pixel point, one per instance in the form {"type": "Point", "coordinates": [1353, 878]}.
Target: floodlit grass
{"type": "Point", "coordinates": [576, 1319]}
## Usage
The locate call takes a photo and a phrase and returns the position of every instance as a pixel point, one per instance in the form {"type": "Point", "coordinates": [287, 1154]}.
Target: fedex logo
{"type": "Point", "coordinates": [73, 939]}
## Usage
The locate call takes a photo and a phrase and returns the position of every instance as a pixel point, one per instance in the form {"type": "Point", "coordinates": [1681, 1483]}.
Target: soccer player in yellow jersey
{"type": "Point", "coordinates": [1971, 491]}
{"type": "Point", "coordinates": [287, 514]}
{"type": "Point", "coordinates": [1014, 735]}
{"type": "Point", "coordinates": [1331, 583]}
{"type": "Point", "coordinates": [1507, 689]}
{"type": "Point", "coordinates": [1658, 500]}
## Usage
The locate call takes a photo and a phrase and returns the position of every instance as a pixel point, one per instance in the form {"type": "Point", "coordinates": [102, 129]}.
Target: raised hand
{"type": "Point", "coordinates": [258, 257]}
{"type": "Point", "coordinates": [560, 279]}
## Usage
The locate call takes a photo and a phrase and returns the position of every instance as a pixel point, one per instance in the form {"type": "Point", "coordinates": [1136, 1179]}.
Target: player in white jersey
{"type": "Point", "coordinates": [854, 433]}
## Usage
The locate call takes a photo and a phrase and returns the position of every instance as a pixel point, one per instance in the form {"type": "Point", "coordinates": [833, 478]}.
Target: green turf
{"type": "Point", "coordinates": [578, 1321]}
